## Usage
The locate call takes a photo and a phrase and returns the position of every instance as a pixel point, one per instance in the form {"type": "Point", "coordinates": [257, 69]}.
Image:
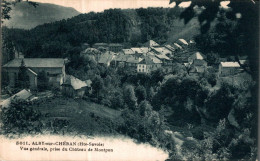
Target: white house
{"type": "Point", "coordinates": [228, 68]}
{"type": "Point", "coordinates": [148, 64]}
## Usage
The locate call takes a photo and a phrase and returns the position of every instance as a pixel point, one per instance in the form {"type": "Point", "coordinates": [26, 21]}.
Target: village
{"type": "Point", "coordinates": [150, 57]}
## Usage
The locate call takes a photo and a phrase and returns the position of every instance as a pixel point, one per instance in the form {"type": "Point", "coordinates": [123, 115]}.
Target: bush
{"type": "Point", "coordinates": [21, 117]}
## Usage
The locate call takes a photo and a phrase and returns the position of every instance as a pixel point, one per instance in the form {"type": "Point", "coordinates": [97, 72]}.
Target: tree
{"type": "Point", "coordinates": [117, 101]}
{"type": "Point", "coordinates": [157, 75]}
{"type": "Point", "coordinates": [129, 97]}
{"type": "Point", "coordinates": [21, 117]}
{"type": "Point", "coordinates": [212, 58]}
{"type": "Point", "coordinates": [145, 109]}
{"type": "Point", "coordinates": [244, 13]}
{"type": "Point", "coordinates": [219, 104]}
{"type": "Point", "coordinates": [140, 93]}
{"type": "Point", "coordinates": [42, 81]}
{"type": "Point", "coordinates": [22, 80]}
{"type": "Point", "coordinates": [6, 7]}
{"type": "Point", "coordinates": [97, 85]}
{"type": "Point", "coordinates": [150, 93]}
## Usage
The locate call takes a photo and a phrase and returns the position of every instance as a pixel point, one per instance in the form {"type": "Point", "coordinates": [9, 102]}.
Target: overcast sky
{"type": "Point", "coordinates": [85, 6]}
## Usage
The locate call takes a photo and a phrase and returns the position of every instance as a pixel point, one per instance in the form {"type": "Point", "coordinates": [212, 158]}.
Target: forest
{"type": "Point", "coordinates": [130, 27]}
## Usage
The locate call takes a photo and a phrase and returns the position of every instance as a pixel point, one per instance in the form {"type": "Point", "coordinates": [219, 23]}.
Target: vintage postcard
{"type": "Point", "coordinates": [129, 80]}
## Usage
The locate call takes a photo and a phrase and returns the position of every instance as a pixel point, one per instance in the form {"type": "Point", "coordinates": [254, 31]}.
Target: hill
{"type": "Point", "coordinates": [131, 27]}
{"type": "Point", "coordinates": [25, 16]}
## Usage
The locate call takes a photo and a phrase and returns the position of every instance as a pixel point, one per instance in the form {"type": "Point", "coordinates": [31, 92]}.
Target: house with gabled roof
{"type": "Point", "coordinates": [197, 59]}
{"type": "Point", "coordinates": [91, 52]}
{"type": "Point", "coordinates": [132, 61]}
{"type": "Point", "coordinates": [23, 95]}
{"type": "Point", "coordinates": [120, 60]}
{"type": "Point", "coordinates": [229, 68]}
{"type": "Point", "coordinates": [148, 64]}
{"type": "Point", "coordinates": [53, 67]}
{"type": "Point", "coordinates": [75, 87]}
{"type": "Point", "coordinates": [151, 43]}
{"type": "Point", "coordinates": [106, 58]}
{"type": "Point", "coordinates": [183, 42]}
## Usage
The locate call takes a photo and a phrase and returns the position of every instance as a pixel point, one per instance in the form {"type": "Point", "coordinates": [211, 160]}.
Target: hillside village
{"type": "Point", "coordinates": [152, 56]}
{"type": "Point", "coordinates": [145, 59]}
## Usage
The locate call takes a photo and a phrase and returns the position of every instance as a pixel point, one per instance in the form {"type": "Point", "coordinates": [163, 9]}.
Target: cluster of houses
{"type": "Point", "coordinates": [152, 56]}
{"type": "Point", "coordinates": [145, 59]}
{"type": "Point", "coordinates": [141, 59]}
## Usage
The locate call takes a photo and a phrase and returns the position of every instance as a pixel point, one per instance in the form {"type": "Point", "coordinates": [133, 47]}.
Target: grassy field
{"type": "Point", "coordinates": [78, 116]}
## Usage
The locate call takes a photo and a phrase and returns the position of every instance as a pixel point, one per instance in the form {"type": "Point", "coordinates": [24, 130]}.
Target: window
{"type": "Point", "coordinates": [142, 70]}
{"type": "Point", "coordinates": [139, 70]}
{"type": "Point", "coordinates": [143, 66]}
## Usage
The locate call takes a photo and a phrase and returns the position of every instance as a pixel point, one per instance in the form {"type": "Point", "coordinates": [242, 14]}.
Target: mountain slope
{"type": "Point", "coordinates": [25, 16]}
{"type": "Point", "coordinates": [131, 27]}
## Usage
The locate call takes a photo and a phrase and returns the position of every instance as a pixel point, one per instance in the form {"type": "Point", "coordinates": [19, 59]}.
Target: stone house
{"type": "Point", "coordinates": [54, 68]}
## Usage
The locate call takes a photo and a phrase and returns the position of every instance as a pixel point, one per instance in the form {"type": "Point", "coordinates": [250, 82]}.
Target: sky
{"type": "Point", "coordinates": [85, 6]}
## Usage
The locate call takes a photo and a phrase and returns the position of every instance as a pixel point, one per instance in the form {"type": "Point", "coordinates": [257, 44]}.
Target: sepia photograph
{"type": "Point", "coordinates": [129, 80]}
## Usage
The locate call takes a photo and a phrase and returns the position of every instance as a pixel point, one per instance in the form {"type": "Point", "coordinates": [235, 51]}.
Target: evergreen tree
{"type": "Point", "coordinates": [23, 79]}
{"type": "Point", "coordinates": [140, 93]}
{"type": "Point", "coordinates": [42, 81]}
{"type": "Point", "coordinates": [145, 108]}
{"type": "Point", "coordinates": [129, 97]}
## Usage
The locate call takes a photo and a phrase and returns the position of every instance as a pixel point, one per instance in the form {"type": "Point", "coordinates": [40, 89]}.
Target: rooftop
{"type": "Point", "coordinates": [169, 47]}
{"type": "Point", "coordinates": [101, 44]}
{"type": "Point", "coordinates": [150, 60]}
{"type": "Point", "coordinates": [183, 41]}
{"type": "Point", "coordinates": [162, 50]}
{"type": "Point", "coordinates": [37, 62]}
{"type": "Point", "coordinates": [128, 51]}
{"type": "Point", "coordinates": [115, 44]}
{"type": "Point", "coordinates": [163, 57]}
{"type": "Point", "coordinates": [177, 45]}
{"type": "Point", "coordinates": [75, 82]}
{"type": "Point", "coordinates": [151, 43]}
{"type": "Point", "coordinates": [107, 57]}
{"type": "Point", "coordinates": [133, 59]}
{"type": "Point", "coordinates": [197, 55]}
{"type": "Point", "coordinates": [138, 50]}
{"type": "Point", "coordinates": [230, 64]}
